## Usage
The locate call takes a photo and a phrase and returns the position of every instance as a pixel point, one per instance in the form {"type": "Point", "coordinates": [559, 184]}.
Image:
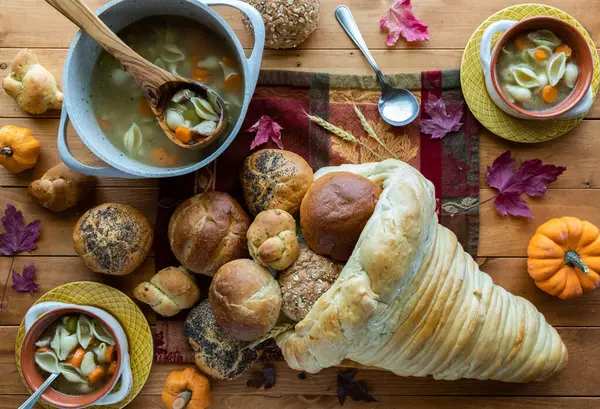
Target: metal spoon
{"type": "Point", "coordinates": [29, 403]}
{"type": "Point", "coordinates": [397, 106]}
{"type": "Point", "coordinates": [157, 84]}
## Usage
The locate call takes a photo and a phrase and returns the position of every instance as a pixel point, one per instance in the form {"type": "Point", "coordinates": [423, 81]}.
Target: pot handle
{"type": "Point", "coordinates": [259, 36]}
{"type": "Point", "coordinates": [70, 161]}
{"type": "Point", "coordinates": [126, 384]}
{"type": "Point", "coordinates": [582, 107]}
{"type": "Point", "coordinates": [485, 49]}
{"type": "Point", "coordinates": [37, 310]}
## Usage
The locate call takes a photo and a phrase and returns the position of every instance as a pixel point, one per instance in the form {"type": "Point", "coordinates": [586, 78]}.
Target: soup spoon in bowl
{"type": "Point", "coordinates": [158, 85]}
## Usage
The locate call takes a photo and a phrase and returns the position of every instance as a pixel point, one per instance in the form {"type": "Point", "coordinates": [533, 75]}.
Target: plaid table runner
{"type": "Point", "coordinates": [451, 163]}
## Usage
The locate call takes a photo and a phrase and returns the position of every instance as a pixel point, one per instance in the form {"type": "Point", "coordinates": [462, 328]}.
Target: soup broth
{"type": "Point", "coordinates": [536, 70]}
{"type": "Point", "coordinates": [183, 47]}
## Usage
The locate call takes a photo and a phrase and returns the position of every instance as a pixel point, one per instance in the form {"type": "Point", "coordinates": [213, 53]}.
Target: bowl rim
{"type": "Point", "coordinates": [34, 378]}
{"type": "Point", "coordinates": [584, 78]}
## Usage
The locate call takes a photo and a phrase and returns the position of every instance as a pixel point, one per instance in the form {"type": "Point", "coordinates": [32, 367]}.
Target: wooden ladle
{"type": "Point", "coordinates": [157, 84]}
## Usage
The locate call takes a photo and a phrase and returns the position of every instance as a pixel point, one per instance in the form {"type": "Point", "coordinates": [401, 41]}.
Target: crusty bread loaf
{"type": "Point", "coordinates": [334, 212]}
{"type": "Point", "coordinates": [207, 231]}
{"type": "Point", "coordinates": [275, 179]}
{"type": "Point", "coordinates": [113, 238]}
{"type": "Point", "coordinates": [216, 353]}
{"type": "Point", "coordinates": [171, 290]}
{"type": "Point", "coordinates": [411, 300]}
{"type": "Point", "coordinates": [302, 283]}
{"type": "Point", "coordinates": [272, 240]}
{"type": "Point", "coordinates": [60, 188]}
{"type": "Point", "coordinates": [245, 299]}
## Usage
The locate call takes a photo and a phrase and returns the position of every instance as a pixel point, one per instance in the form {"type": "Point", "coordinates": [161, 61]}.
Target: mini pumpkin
{"type": "Point", "coordinates": [564, 257]}
{"type": "Point", "coordinates": [19, 149]}
{"type": "Point", "coordinates": [187, 389]}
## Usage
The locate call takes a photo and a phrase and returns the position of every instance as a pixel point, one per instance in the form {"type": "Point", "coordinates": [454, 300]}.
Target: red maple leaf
{"type": "Point", "coordinates": [18, 237]}
{"type": "Point", "coordinates": [443, 120]}
{"type": "Point", "coordinates": [25, 283]}
{"type": "Point", "coordinates": [399, 20]}
{"type": "Point", "coordinates": [266, 129]}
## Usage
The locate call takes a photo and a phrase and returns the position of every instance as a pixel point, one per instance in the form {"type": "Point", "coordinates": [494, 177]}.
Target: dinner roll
{"type": "Point", "coordinates": [245, 299]}
{"type": "Point", "coordinates": [216, 353]}
{"type": "Point", "coordinates": [208, 230]}
{"type": "Point", "coordinates": [169, 291]}
{"type": "Point", "coordinates": [113, 238]}
{"type": "Point", "coordinates": [272, 240]}
{"type": "Point", "coordinates": [275, 179]}
{"type": "Point", "coordinates": [302, 283]}
{"type": "Point", "coordinates": [334, 212]}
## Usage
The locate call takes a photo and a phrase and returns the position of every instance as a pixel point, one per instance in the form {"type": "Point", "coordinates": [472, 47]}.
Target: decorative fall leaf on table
{"type": "Point", "coordinates": [530, 179]}
{"type": "Point", "coordinates": [443, 119]}
{"type": "Point", "coordinates": [266, 128]}
{"type": "Point", "coordinates": [356, 390]}
{"type": "Point", "coordinates": [399, 20]}
{"type": "Point", "coordinates": [25, 283]}
{"type": "Point", "coordinates": [18, 236]}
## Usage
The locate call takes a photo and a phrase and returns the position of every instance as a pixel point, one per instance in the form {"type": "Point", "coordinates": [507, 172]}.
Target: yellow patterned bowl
{"type": "Point", "coordinates": [128, 315]}
{"type": "Point", "coordinates": [481, 104]}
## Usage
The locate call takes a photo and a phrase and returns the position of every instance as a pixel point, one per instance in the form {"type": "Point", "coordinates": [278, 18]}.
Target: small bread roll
{"type": "Point", "coordinates": [245, 299]}
{"type": "Point", "coordinates": [169, 291]}
{"type": "Point", "coordinates": [207, 231]}
{"type": "Point", "coordinates": [275, 179]}
{"type": "Point", "coordinates": [272, 240]}
{"type": "Point", "coordinates": [216, 353]}
{"type": "Point", "coordinates": [302, 283]}
{"type": "Point", "coordinates": [60, 188]}
{"type": "Point", "coordinates": [335, 211]}
{"type": "Point", "coordinates": [113, 238]}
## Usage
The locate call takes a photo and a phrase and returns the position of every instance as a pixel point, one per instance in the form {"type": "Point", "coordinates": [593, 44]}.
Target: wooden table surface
{"type": "Point", "coordinates": [503, 241]}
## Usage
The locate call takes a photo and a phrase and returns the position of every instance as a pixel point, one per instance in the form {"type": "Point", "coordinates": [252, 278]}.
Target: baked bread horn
{"type": "Point", "coordinates": [410, 300]}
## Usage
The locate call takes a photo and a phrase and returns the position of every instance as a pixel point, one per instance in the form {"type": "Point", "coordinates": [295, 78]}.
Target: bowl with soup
{"type": "Point", "coordinates": [108, 109]}
{"type": "Point", "coordinates": [85, 345]}
{"type": "Point", "coordinates": [539, 68]}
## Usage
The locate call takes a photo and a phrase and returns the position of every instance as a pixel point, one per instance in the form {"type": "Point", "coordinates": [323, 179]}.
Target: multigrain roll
{"type": "Point", "coordinates": [113, 238]}
{"type": "Point", "coordinates": [302, 283]}
{"type": "Point", "coordinates": [207, 231]}
{"type": "Point", "coordinates": [216, 353]}
{"type": "Point", "coordinates": [275, 179]}
{"type": "Point", "coordinates": [245, 299]}
{"type": "Point", "coordinates": [334, 212]}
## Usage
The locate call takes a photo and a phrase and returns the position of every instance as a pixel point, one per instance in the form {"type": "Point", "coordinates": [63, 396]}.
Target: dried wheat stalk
{"type": "Point", "coordinates": [370, 131]}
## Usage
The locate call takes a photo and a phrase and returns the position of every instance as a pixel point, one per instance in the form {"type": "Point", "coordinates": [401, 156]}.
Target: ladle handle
{"type": "Point", "coordinates": [145, 73]}
{"type": "Point", "coordinates": [346, 20]}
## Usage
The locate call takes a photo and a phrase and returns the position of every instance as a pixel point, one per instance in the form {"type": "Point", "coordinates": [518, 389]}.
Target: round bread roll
{"type": "Point", "coordinates": [207, 231]}
{"type": "Point", "coordinates": [216, 353]}
{"type": "Point", "coordinates": [113, 238]}
{"type": "Point", "coordinates": [302, 283]}
{"type": "Point", "coordinates": [334, 212]}
{"type": "Point", "coordinates": [272, 240]}
{"type": "Point", "coordinates": [171, 290]}
{"type": "Point", "coordinates": [245, 299]}
{"type": "Point", "coordinates": [275, 179]}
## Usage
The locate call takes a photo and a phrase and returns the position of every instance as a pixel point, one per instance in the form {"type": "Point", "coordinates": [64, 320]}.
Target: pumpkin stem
{"type": "Point", "coordinates": [6, 151]}
{"type": "Point", "coordinates": [182, 400]}
{"type": "Point", "coordinates": [572, 260]}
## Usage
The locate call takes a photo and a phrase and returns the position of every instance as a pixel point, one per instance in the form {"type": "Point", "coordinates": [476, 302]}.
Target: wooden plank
{"type": "Point", "coordinates": [507, 236]}
{"type": "Point", "coordinates": [383, 402]}
{"type": "Point", "coordinates": [583, 355]}
{"type": "Point", "coordinates": [57, 228]}
{"type": "Point", "coordinates": [52, 272]}
{"type": "Point", "coordinates": [451, 24]}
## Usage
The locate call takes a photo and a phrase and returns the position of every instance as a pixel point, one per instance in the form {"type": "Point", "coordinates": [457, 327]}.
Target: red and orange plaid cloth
{"type": "Point", "coordinates": [451, 163]}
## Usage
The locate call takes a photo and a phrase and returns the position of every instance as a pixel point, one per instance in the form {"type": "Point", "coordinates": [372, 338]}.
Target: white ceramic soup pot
{"type": "Point", "coordinates": [38, 318]}
{"type": "Point", "coordinates": [84, 53]}
{"type": "Point", "coordinates": [581, 98]}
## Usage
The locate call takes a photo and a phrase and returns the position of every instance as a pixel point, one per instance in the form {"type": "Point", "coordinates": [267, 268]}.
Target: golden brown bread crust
{"type": "Point", "coordinates": [245, 299]}
{"type": "Point", "coordinates": [272, 240]}
{"type": "Point", "coordinates": [275, 179]}
{"type": "Point", "coordinates": [207, 231]}
{"type": "Point", "coordinates": [171, 290]}
{"type": "Point", "coordinates": [334, 212]}
{"type": "Point", "coordinates": [113, 238]}
{"type": "Point", "coordinates": [302, 283]}
{"type": "Point", "coordinates": [60, 188]}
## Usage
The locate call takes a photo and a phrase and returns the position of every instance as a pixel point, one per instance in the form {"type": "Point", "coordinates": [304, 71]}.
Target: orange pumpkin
{"type": "Point", "coordinates": [564, 257]}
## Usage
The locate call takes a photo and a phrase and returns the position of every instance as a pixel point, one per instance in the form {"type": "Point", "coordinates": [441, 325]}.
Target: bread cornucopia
{"type": "Point", "coordinates": [412, 301]}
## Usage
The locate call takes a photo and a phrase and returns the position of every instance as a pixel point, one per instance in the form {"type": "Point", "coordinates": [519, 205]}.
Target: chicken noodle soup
{"type": "Point", "coordinates": [183, 47]}
{"type": "Point", "coordinates": [536, 70]}
{"type": "Point", "coordinates": [81, 350]}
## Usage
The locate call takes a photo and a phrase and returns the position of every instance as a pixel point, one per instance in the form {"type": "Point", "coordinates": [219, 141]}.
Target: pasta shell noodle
{"type": "Point", "coordinates": [101, 333]}
{"type": "Point", "coordinates": [63, 342]}
{"type": "Point", "coordinates": [556, 68]}
{"type": "Point", "coordinates": [544, 37]}
{"type": "Point", "coordinates": [202, 109]}
{"type": "Point", "coordinates": [47, 361]}
{"type": "Point", "coordinates": [88, 364]}
{"type": "Point", "coordinates": [519, 93]}
{"type": "Point", "coordinates": [132, 140]}
{"type": "Point", "coordinates": [525, 77]}
{"type": "Point", "coordinates": [84, 331]}
{"type": "Point", "coordinates": [100, 351]}
{"type": "Point", "coordinates": [71, 374]}
{"type": "Point", "coordinates": [571, 75]}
